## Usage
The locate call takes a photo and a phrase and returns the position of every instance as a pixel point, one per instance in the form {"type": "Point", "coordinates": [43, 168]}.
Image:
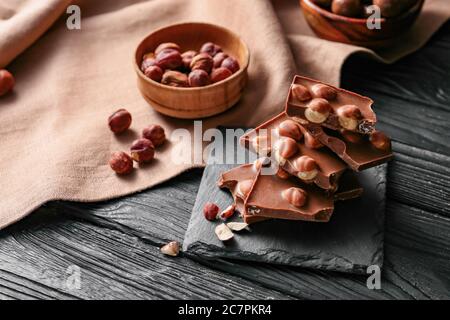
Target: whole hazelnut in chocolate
{"type": "Point", "coordinates": [167, 46]}
{"type": "Point", "coordinates": [318, 110]}
{"type": "Point", "coordinates": [380, 141]}
{"type": "Point", "coordinates": [211, 48]}
{"type": "Point", "coordinates": [285, 148]}
{"type": "Point", "coordinates": [7, 82]}
{"type": "Point", "coordinates": [352, 137]}
{"type": "Point", "coordinates": [243, 188]}
{"type": "Point", "coordinates": [261, 144]}
{"type": "Point", "coordinates": [295, 196]}
{"type": "Point", "coordinates": [142, 150]}
{"type": "Point", "coordinates": [349, 116]}
{"type": "Point", "coordinates": [175, 79]}
{"type": "Point", "coordinates": [393, 8]}
{"type": "Point", "coordinates": [231, 64]}
{"type": "Point", "coordinates": [306, 168]}
{"type": "Point", "coordinates": [202, 61]}
{"type": "Point", "coordinates": [290, 129]}
{"type": "Point", "coordinates": [220, 74]}
{"type": "Point", "coordinates": [155, 73]}
{"type": "Point", "coordinates": [282, 174]}
{"type": "Point", "coordinates": [121, 163]}
{"type": "Point", "coordinates": [187, 58]}
{"type": "Point", "coordinates": [300, 93]}
{"type": "Point", "coordinates": [324, 91]}
{"type": "Point", "coordinates": [155, 133]}
{"type": "Point", "coordinates": [119, 121]}
{"type": "Point", "coordinates": [169, 59]}
{"type": "Point", "coordinates": [198, 78]}
{"type": "Point", "coordinates": [348, 8]}
{"type": "Point", "coordinates": [311, 142]}
{"type": "Point", "coordinates": [218, 59]}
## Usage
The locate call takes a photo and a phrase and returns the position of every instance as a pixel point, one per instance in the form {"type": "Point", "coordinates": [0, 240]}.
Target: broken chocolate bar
{"type": "Point", "coordinates": [311, 101]}
{"type": "Point", "coordinates": [290, 144]}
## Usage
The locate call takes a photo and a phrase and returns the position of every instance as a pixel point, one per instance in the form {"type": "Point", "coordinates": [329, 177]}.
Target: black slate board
{"type": "Point", "coordinates": [350, 242]}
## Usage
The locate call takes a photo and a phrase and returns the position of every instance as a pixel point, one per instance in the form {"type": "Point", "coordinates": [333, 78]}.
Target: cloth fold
{"type": "Point", "coordinates": [55, 140]}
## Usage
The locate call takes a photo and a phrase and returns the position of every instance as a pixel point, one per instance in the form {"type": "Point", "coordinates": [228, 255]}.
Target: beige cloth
{"type": "Point", "coordinates": [55, 143]}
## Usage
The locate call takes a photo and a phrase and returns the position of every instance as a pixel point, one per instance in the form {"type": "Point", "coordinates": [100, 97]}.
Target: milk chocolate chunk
{"type": "Point", "coordinates": [298, 157]}
{"type": "Point", "coordinates": [331, 107]}
{"type": "Point", "coordinates": [359, 152]}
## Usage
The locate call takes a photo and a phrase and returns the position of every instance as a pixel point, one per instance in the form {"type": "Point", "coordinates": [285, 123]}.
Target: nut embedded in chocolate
{"type": "Point", "coordinates": [261, 144]}
{"type": "Point", "coordinates": [167, 46]}
{"type": "Point", "coordinates": [290, 129]}
{"type": "Point", "coordinates": [318, 110]}
{"type": "Point", "coordinates": [349, 116]}
{"type": "Point", "coordinates": [175, 79]}
{"type": "Point", "coordinates": [155, 133]}
{"type": "Point", "coordinates": [119, 121]}
{"type": "Point", "coordinates": [300, 93]}
{"type": "Point", "coordinates": [198, 78]}
{"type": "Point", "coordinates": [306, 168]}
{"type": "Point", "coordinates": [295, 196]}
{"type": "Point", "coordinates": [142, 150]}
{"type": "Point", "coordinates": [323, 91]}
{"type": "Point", "coordinates": [121, 163]}
{"type": "Point", "coordinates": [380, 141]}
{"type": "Point", "coordinates": [243, 188]}
{"type": "Point", "coordinates": [211, 48]}
{"type": "Point", "coordinates": [282, 174]}
{"type": "Point", "coordinates": [311, 142]}
{"type": "Point", "coordinates": [352, 137]}
{"type": "Point", "coordinates": [202, 61]}
{"type": "Point", "coordinates": [285, 148]}
{"type": "Point", "coordinates": [220, 74]}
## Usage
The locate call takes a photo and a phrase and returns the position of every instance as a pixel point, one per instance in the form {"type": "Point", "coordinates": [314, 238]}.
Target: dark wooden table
{"type": "Point", "coordinates": [116, 244]}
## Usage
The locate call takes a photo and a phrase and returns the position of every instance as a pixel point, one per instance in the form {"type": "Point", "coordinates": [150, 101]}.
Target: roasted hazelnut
{"type": "Point", "coordinates": [282, 174]}
{"type": "Point", "coordinates": [261, 144]}
{"type": "Point", "coordinates": [211, 48]}
{"type": "Point", "coordinates": [169, 59]}
{"type": "Point", "coordinates": [119, 121]}
{"type": "Point", "coordinates": [155, 133]}
{"type": "Point", "coordinates": [121, 163]}
{"type": "Point", "coordinates": [167, 46]}
{"type": "Point", "coordinates": [295, 196]}
{"type": "Point", "coordinates": [228, 212]}
{"type": "Point", "coordinates": [244, 188]}
{"type": "Point", "coordinates": [220, 74]}
{"type": "Point", "coordinates": [154, 73]}
{"type": "Point", "coordinates": [202, 61]}
{"type": "Point", "coordinates": [142, 150]}
{"type": "Point", "coordinates": [380, 141]}
{"type": "Point", "coordinates": [352, 137]}
{"type": "Point", "coordinates": [323, 3]}
{"type": "Point", "coordinates": [306, 168]}
{"type": "Point", "coordinates": [175, 79]}
{"type": "Point", "coordinates": [311, 142]}
{"type": "Point", "coordinates": [218, 59]}
{"type": "Point", "coordinates": [7, 82]}
{"type": "Point", "coordinates": [290, 129]}
{"type": "Point", "coordinates": [324, 91]}
{"type": "Point", "coordinates": [210, 211]}
{"type": "Point", "coordinates": [285, 148]}
{"type": "Point", "coordinates": [318, 110]}
{"type": "Point", "coordinates": [347, 8]}
{"type": "Point", "coordinates": [393, 8]}
{"type": "Point", "coordinates": [300, 93]}
{"type": "Point", "coordinates": [147, 62]}
{"type": "Point", "coordinates": [349, 116]}
{"type": "Point", "coordinates": [231, 64]}
{"type": "Point", "coordinates": [187, 58]}
{"type": "Point", "coordinates": [199, 78]}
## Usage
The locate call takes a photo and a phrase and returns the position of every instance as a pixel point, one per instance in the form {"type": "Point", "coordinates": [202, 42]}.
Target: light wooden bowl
{"type": "Point", "coordinates": [330, 26]}
{"type": "Point", "coordinates": [194, 103]}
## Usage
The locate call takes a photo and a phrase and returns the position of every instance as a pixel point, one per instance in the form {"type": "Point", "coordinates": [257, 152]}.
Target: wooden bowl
{"type": "Point", "coordinates": [330, 26]}
{"type": "Point", "coordinates": [194, 103]}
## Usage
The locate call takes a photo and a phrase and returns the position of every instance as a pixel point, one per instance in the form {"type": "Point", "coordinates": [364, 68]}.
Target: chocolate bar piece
{"type": "Point", "coordinates": [311, 101]}
{"type": "Point", "coordinates": [358, 151]}
{"type": "Point", "coordinates": [281, 133]}
{"type": "Point", "coordinates": [268, 196]}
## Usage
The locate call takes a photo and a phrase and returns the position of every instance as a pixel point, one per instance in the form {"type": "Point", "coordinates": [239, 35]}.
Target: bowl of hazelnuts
{"type": "Point", "coordinates": [373, 24]}
{"type": "Point", "coordinates": [192, 70]}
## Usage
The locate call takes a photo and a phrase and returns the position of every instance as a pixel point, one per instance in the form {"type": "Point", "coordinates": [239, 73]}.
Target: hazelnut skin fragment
{"type": "Point", "coordinates": [290, 129]}
{"type": "Point", "coordinates": [295, 196]}
{"type": "Point", "coordinates": [155, 133]}
{"type": "Point", "coordinates": [231, 64]}
{"type": "Point", "coordinates": [119, 121]}
{"type": "Point", "coordinates": [300, 93]}
{"type": "Point", "coordinates": [7, 82]}
{"type": "Point", "coordinates": [142, 150]}
{"type": "Point", "coordinates": [199, 78]}
{"type": "Point", "coordinates": [220, 74]}
{"type": "Point", "coordinates": [228, 212]}
{"type": "Point", "coordinates": [380, 141]}
{"type": "Point", "coordinates": [121, 163]}
{"type": "Point", "coordinates": [210, 211]}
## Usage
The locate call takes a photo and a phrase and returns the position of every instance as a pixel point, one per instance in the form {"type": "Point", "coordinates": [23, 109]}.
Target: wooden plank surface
{"type": "Point", "coordinates": [116, 243]}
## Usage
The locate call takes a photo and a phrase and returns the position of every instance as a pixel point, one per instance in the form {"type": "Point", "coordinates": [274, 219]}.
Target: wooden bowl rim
{"type": "Point", "coordinates": [242, 70]}
{"type": "Point", "coordinates": [334, 16]}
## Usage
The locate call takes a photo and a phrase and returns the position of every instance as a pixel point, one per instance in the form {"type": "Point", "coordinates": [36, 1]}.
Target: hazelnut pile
{"type": "Point", "coordinates": [170, 66]}
{"type": "Point", "coordinates": [359, 8]}
{"type": "Point", "coordinates": [7, 82]}
{"type": "Point", "coordinates": [142, 150]}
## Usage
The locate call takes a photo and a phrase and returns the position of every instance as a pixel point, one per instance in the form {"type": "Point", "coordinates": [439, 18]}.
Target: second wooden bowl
{"type": "Point", "coordinates": [330, 26]}
{"type": "Point", "coordinates": [194, 103]}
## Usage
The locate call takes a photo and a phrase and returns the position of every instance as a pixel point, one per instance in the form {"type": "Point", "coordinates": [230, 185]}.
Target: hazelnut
{"type": "Point", "coordinates": [261, 144]}
{"type": "Point", "coordinates": [290, 129]}
{"type": "Point", "coordinates": [285, 148]}
{"type": "Point", "coordinates": [228, 212]}
{"type": "Point", "coordinates": [220, 74]}
{"type": "Point", "coordinates": [244, 188]}
{"type": "Point", "coordinates": [211, 48]}
{"type": "Point", "coordinates": [237, 226]}
{"type": "Point", "coordinates": [223, 232]}
{"type": "Point", "coordinates": [282, 174]}
{"type": "Point", "coordinates": [393, 8]}
{"type": "Point", "coordinates": [380, 141]}
{"type": "Point", "coordinates": [262, 162]}
{"type": "Point", "coordinates": [210, 211]}
{"type": "Point", "coordinates": [147, 62]}
{"type": "Point", "coordinates": [324, 91]}
{"type": "Point", "coordinates": [171, 249]}
{"type": "Point", "coordinates": [202, 61]}
{"type": "Point", "coordinates": [347, 8]}
{"type": "Point", "coordinates": [318, 110]}
{"type": "Point", "coordinates": [187, 58]}
{"type": "Point", "coordinates": [175, 79]}
{"type": "Point", "coordinates": [142, 150]}
{"type": "Point", "coordinates": [155, 133]}
{"type": "Point", "coordinates": [7, 82]}
{"type": "Point", "coordinates": [218, 59]}
{"type": "Point", "coordinates": [167, 46]}
{"type": "Point", "coordinates": [154, 73]}
{"type": "Point", "coordinates": [169, 59]}
{"type": "Point", "coordinates": [300, 93]}
{"type": "Point", "coordinates": [348, 116]}
{"type": "Point", "coordinates": [121, 163]}
{"type": "Point", "coordinates": [323, 3]}
{"type": "Point", "coordinates": [352, 137]}
{"type": "Point", "coordinates": [231, 64]}
{"type": "Point", "coordinates": [311, 142]}
{"type": "Point", "coordinates": [306, 168]}
{"type": "Point", "coordinates": [295, 196]}
{"type": "Point", "coordinates": [199, 78]}
{"type": "Point", "coordinates": [119, 121]}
